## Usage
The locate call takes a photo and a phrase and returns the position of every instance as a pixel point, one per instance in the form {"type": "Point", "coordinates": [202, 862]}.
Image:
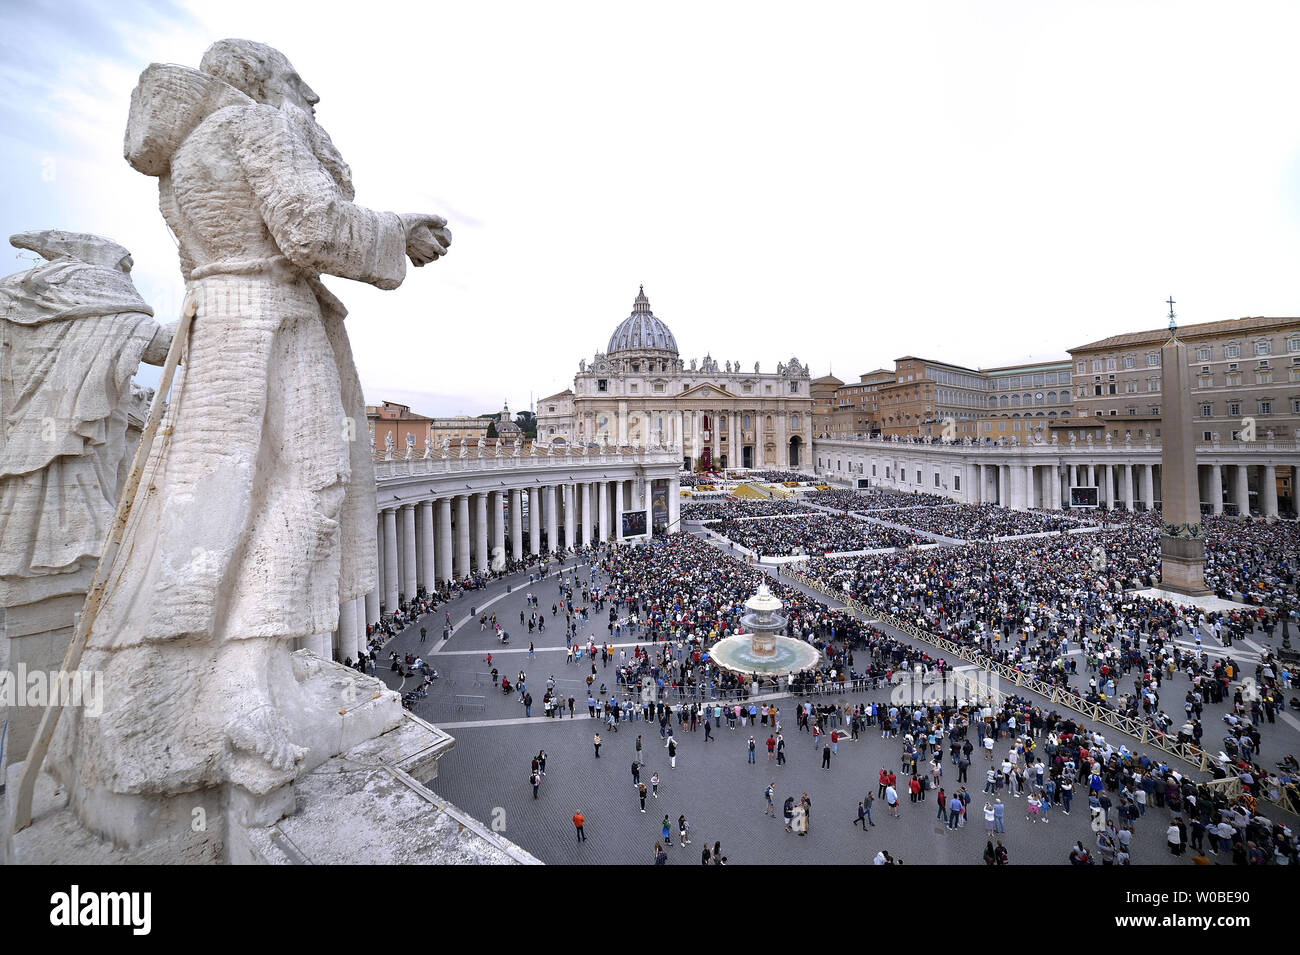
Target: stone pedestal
{"type": "Point", "coordinates": [1182, 565]}
{"type": "Point", "coordinates": [33, 640]}
{"type": "Point", "coordinates": [363, 799]}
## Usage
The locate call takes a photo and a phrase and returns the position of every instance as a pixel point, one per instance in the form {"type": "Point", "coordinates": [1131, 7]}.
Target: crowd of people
{"type": "Point", "coordinates": [817, 533]}
{"type": "Point", "coordinates": [738, 508]}
{"type": "Point", "coordinates": [873, 498]}
{"type": "Point", "coordinates": [981, 521]}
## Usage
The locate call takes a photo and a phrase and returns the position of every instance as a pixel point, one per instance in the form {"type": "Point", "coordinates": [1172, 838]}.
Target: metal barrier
{"type": "Point", "coordinates": [481, 678]}
{"type": "Point", "coordinates": [1146, 735]}
{"type": "Point", "coordinates": [466, 702]}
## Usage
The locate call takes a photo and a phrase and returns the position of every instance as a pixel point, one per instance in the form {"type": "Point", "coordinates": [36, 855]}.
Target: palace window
{"type": "Point", "coordinates": [1234, 408]}
{"type": "Point", "coordinates": [1263, 347]}
{"type": "Point", "coordinates": [1203, 353]}
{"type": "Point", "coordinates": [1207, 410]}
{"type": "Point", "coordinates": [1232, 350]}
{"type": "Point", "coordinates": [1266, 407]}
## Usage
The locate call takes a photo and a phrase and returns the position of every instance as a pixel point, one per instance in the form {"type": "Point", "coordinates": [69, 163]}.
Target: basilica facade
{"type": "Point", "coordinates": [640, 392]}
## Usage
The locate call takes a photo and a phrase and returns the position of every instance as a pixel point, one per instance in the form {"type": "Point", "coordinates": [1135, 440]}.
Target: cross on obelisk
{"type": "Point", "coordinates": [1173, 326]}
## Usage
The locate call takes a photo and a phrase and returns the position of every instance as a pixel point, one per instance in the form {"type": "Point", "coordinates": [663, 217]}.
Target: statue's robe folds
{"type": "Point", "coordinates": [257, 509]}
{"type": "Point", "coordinates": [71, 336]}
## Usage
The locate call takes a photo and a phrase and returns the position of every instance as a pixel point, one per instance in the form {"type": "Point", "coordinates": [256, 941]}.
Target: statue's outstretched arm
{"type": "Point", "coordinates": [312, 223]}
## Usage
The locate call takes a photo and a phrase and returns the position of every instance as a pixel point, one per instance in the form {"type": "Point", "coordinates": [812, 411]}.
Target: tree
{"type": "Point", "coordinates": [492, 429]}
{"type": "Point", "coordinates": [527, 422]}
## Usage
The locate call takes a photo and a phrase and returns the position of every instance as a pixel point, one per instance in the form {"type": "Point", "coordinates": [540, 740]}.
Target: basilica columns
{"type": "Point", "coordinates": [1216, 489]}
{"type": "Point", "coordinates": [1149, 487]}
{"type": "Point", "coordinates": [674, 506]}
{"type": "Point", "coordinates": [1126, 486]}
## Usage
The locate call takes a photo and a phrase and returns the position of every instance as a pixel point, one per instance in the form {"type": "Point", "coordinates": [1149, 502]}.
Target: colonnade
{"type": "Point", "coordinates": [426, 543]}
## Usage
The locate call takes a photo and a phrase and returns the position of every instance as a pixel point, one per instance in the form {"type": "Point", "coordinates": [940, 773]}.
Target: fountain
{"type": "Point", "coordinates": [759, 650]}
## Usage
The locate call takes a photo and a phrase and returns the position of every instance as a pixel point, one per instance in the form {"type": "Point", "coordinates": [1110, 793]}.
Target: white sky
{"type": "Point", "coordinates": [981, 183]}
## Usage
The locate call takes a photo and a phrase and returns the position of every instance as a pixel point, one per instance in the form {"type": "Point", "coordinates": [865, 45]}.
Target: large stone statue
{"type": "Point", "coordinates": [74, 331]}
{"type": "Point", "coordinates": [234, 548]}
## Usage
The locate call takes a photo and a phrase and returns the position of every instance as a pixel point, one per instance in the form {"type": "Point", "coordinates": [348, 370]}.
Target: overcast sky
{"type": "Point", "coordinates": [982, 183]}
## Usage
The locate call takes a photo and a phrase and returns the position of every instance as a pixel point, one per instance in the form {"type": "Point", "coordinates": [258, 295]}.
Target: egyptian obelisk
{"type": "Point", "coordinates": [1182, 538]}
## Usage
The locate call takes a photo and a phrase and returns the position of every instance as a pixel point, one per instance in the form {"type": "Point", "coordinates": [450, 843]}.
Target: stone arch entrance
{"type": "Point", "coordinates": [796, 448]}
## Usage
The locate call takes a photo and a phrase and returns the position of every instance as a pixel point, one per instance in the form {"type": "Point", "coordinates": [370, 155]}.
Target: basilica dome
{"type": "Point", "coordinates": [641, 331]}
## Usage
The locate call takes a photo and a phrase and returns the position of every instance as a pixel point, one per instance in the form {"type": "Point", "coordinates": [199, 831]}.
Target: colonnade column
{"type": "Point", "coordinates": [1074, 475]}
{"type": "Point", "coordinates": [649, 507]}
{"type": "Point", "coordinates": [674, 506]}
{"type": "Point", "coordinates": [1004, 499]}
{"type": "Point", "coordinates": [602, 509]}
{"type": "Point", "coordinates": [1109, 477]}
{"type": "Point", "coordinates": [1243, 490]}
{"type": "Point", "coordinates": [347, 632]}
{"type": "Point", "coordinates": [462, 536]}
{"type": "Point", "coordinates": [495, 501]}
{"type": "Point", "coordinates": [1268, 491]}
{"type": "Point", "coordinates": [428, 576]}
{"type": "Point", "coordinates": [443, 551]}
{"type": "Point", "coordinates": [618, 509]}
{"type": "Point", "coordinates": [1126, 486]}
{"type": "Point", "coordinates": [482, 560]}
{"type": "Point", "coordinates": [1216, 489]}
{"type": "Point", "coordinates": [516, 524]}
{"type": "Point", "coordinates": [552, 519]}
{"type": "Point", "coordinates": [408, 550]}
{"type": "Point", "coordinates": [390, 559]}
{"type": "Point", "coordinates": [586, 513]}
{"type": "Point", "coordinates": [360, 612]}
{"type": "Point", "coordinates": [535, 520]}
{"type": "Point", "coordinates": [1031, 492]}
{"type": "Point", "coordinates": [570, 515]}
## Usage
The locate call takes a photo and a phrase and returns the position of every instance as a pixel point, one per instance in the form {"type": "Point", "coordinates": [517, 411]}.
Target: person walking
{"type": "Point", "coordinates": [751, 756]}
{"type": "Point", "coordinates": [867, 801]}
{"type": "Point", "coordinates": [596, 742]}
{"type": "Point", "coordinates": [578, 823]}
{"type": "Point", "coordinates": [787, 811]}
{"type": "Point", "coordinates": [536, 780]}
{"type": "Point", "coordinates": [672, 753]}
{"type": "Point", "coordinates": [636, 773]}
{"type": "Point", "coordinates": [826, 757]}
{"type": "Point", "coordinates": [891, 799]}
{"type": "Point", "coordinates": [666, 831]}
{"type": "Point", "coordinates": [861, 819]}
{"type": "Point", "coordinates": [999, 814]}
{"type": "Point", "coordinates": [769, 807]}
{"type": "Point", "coordinates": [641, 791]}
{"type": "Point", "coordinates": [654, 784]}
{"type": "Point", "coordinates": [683, 831]}
{"type": "Point", "coordinates": [990, 819]}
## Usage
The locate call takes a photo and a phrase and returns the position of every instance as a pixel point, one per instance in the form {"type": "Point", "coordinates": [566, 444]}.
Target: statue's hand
{"type": "Point", "coordinates": [155, 353]}
{"type": "Point", "coordinates": [427, 237]}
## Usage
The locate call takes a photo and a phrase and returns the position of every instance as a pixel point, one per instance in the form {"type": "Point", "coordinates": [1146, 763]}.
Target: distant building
{"type": "Point", "coordinates": [399, 421]}
{"type": "Point", "coordinates": [639, 391]}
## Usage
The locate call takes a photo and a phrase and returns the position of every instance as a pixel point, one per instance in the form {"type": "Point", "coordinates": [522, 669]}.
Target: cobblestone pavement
{"type": "Point", "coordinates": [720, 793]}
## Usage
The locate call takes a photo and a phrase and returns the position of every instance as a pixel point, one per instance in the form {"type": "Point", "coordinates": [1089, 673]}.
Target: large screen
{"type": "Point", "coordinates": [633, 523]}
{"type": "Point", "coordinates": [1083, 497]}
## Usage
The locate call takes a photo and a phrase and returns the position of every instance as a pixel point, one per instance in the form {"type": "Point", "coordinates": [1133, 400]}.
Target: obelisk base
{"type": "Point", "coordinates": [1182, 565]}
